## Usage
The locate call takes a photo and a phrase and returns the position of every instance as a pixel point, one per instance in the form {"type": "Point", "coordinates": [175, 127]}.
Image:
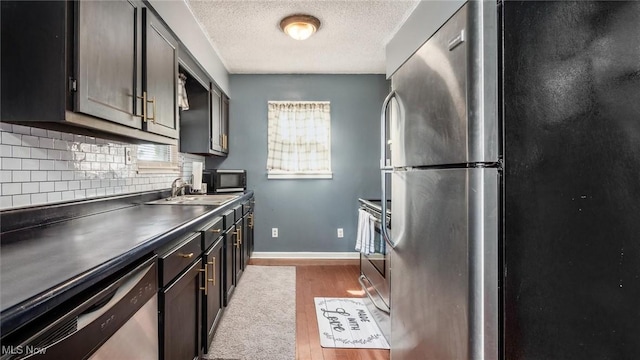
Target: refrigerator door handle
{"type": "Point", "coordinates": [383, 131]}
{"type": "Point", "coordinates": [384, 167]}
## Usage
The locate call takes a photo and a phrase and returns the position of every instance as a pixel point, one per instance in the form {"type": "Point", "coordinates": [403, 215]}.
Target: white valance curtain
{"type": "Point", "coordinates": [299, 137]}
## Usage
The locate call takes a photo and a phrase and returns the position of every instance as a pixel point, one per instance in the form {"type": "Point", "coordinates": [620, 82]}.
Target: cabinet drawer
{"type": "Point", "coordinates": [238, 211]}
{"type": "Point", "coordinates": [211, 232]}
{"type": "Point", "coordinates": [229, 218]}
{"type": "Point", "coordinates": [246, 207]}
{"type": "Point", "coordinates": [178, 256]}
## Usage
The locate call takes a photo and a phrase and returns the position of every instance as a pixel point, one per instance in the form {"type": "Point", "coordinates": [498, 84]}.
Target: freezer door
{"type": "Point", "coordinates": [444, 269]}
{"type": "Point", "coordinates": [445, 109]}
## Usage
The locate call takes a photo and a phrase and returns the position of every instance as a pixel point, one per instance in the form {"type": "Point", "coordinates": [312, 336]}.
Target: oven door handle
{"type": "Point", "coordinates": [366, 291]}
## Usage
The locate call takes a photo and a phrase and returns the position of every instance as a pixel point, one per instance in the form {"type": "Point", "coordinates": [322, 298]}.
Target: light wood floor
{"type": "Point", "coordinates": [330, 281]}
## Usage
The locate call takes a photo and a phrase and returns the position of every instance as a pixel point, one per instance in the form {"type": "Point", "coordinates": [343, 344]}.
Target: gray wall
{"type": "Point", "coordinates": [308, 212]}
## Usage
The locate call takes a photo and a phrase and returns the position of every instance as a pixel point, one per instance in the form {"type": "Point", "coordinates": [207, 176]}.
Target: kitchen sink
{"type": "Point", "coordinates": [195, 200]}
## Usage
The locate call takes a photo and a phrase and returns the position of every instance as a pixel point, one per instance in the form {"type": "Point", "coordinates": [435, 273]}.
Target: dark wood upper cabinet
{"type": "Point", "coordinates": [224, 123]}
{"type": "Point", "coordinates": [79, 67]}
{"type": "Point", "coordinates": [217, 137]}
{"type": "Point", "coordinates": [108, 61]}
{"type": "Point", "coordinates": [160, 60]}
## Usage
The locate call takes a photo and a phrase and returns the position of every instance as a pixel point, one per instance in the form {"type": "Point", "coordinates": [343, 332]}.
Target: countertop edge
{"type": "Point", "coordinates": [32, 308]}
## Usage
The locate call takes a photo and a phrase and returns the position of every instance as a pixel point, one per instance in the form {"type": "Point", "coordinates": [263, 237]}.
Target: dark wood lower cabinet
{"type": "Point", "coordinates": [238, 258]}
{"type": "Point", "coordinates": [229, 263]}
{"type": "Point", "coordinates": [179, 322]}
{"type": "Point", "coordinates": [213, 298]}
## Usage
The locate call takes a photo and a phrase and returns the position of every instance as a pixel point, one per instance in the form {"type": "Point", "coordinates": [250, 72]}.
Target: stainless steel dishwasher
{"type": "Point", "coordinates": [119, 321]}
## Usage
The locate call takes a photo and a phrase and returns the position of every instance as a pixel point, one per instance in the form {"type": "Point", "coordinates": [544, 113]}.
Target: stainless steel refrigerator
{"type": "Point", "coordinates": [512, 142]}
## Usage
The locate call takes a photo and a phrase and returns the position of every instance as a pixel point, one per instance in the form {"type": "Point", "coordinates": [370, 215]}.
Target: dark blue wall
{"type": "Point", "coordinates": [308, 212]}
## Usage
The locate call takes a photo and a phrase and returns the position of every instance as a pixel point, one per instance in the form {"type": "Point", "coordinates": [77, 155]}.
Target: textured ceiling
{"type": "Point", "coordinates": [351, 38]}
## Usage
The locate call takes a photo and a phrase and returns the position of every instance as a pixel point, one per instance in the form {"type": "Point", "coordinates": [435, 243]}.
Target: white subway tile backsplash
{"type": "Point", "coordinates": [31, 141]}
{"type": "Point", "coordinates": [38, 153]}
{"type": "Point", "coordinates": [20, 152]}
{"type": "Point", "coordinates": [40, 198]}
{"type": "Point", "coordinates": [46, 186]}
{"type": "Point", "coordinates": [41, 166]}
{"type": "Point", "coordinates": [61, 186]}
{"type": "Point", "coordinates": [46, 143]}
{"type": "Point", "coordinates": [5, 202]}
{"type": "Point", "coordinates": [74, 185]}
{"type": "Point", "coordinates": [54, 196]}
{"type": "Point", "coordinates": [67, 175]}
{"type": "Point", "coordinates": [38, 176]}
{"type": "Point", "coordinates": [30, 188]}
{"type": "Point", "coordinates": [46, 165]}
{"type": "Point", "coordinates": [5, 150]}
{"type": "Point", "coordinates": [21, 200]}
{"type": "Point", "coordinates": [54, 175]}
{"type": "Point", "coordinates": [20, 129]}
{"type": "Point", "coordinates": [11, 189]}
{"type": "Point", "coordinates": [11, 164]}
{"type": "Point", "coordinates": [38, 132]}
{"type": "Point", "coordinates": [11, 138]}
{"type": "Point", "coordinates": [54, 134]}
{"type": "Point", "coordinates": [68, 195]}
{"type": "Point", "coordinates": [21, 176]}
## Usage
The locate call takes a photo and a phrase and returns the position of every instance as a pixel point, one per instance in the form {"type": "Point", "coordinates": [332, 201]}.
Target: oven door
{"type": "Point", "coordinates": [375, 267]}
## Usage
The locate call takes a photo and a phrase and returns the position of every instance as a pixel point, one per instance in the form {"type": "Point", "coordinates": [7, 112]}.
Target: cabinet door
{"type": "Point", "coordinates": [239, 255]}
{"type": "Point", "coordinates": [224, 123]}
{"type": "Point", "coordinates": [229, 266]}
{"type": "Point", "coordinates": [180, 317]}
{"type": "Point", "coordinates": [245, 241]}
{"type": "Point", "coordinates": [217, 139]}
{"type": "Point", "coordinates": [107, 59]}
{"type": "Point", "coordinates": [212, 304]}
{"type": "Point", "coordinates": [248, 243]}
{"type": "Point", "coordinates": [160, 76]}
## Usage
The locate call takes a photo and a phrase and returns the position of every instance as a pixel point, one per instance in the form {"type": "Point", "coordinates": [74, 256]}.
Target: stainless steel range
{"type": "Point", "coordinates": [375, 267]}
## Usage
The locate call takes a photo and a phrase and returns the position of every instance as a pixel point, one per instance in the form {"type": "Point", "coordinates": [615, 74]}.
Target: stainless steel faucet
{"type": "Point", "coordinates": [175, 188]}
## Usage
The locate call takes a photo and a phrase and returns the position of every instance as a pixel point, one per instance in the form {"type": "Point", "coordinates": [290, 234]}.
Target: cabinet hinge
{"type": "Point", "coordinates": [73, 85]}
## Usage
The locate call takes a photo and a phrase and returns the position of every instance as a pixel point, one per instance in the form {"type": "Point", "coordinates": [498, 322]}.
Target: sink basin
{"type": "Point", "coordinates": [195, 200]}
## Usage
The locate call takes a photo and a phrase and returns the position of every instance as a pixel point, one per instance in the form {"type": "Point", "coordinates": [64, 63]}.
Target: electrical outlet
{"type": "Point", "coordinates": [340, 232]}
{"type": "Point", "coordinates": [274, 232]}
{"type": "Point", "coordinates": [127, 155]}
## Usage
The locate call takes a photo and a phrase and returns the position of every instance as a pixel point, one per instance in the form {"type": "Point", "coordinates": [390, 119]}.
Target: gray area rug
{"type": "Point", "coordinates": [260, 322]}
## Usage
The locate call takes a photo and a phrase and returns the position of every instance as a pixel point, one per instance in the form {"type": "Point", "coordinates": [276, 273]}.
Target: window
{"type": "Point", "coordinates": [299, 140]}
{"type": "Point", "coordinates": [153, 158]}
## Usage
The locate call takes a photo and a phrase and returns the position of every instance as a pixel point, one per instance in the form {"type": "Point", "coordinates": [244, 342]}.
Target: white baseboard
{"type": "Point", "coordinates": [306, 255]}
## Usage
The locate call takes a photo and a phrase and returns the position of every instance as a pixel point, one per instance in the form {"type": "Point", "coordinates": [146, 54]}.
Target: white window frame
{"type": "Point", "coordinates": [282, 174]}
{"type": "Point", "coordinates": [160, 167]}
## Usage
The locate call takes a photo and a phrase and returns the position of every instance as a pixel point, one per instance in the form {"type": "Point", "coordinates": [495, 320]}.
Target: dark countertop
{"type": "Point", "coordinates": [43, 266]}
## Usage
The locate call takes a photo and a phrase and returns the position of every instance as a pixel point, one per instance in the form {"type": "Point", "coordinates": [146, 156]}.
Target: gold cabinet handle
{"type": "Point", "coordinates": [213, 271]}
{"type": "Point", "coordinates": [186, 256]}
{"type": "Point", "coordinates": [251, 221]}
{"type": "Point", "coordinates": [205, 283]}
{"type": "Point", "coordinates": [153, 102]}
{"type": "Point", "coordinates": [238, 234]}
{"type": "Point", "coordinates": [144, 106]}
{"type": "Point", "coordinates": [216, 231]}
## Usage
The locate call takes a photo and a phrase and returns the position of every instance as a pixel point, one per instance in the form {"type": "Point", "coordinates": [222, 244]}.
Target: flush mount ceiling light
{"type": "Point", "coordinates": [300, 26]}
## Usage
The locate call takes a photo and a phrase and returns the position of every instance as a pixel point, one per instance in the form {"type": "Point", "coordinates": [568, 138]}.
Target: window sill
{"type": "Point", "coordinates": [152, 167]}
{"type": "Point", "coordinates": [301, 175]}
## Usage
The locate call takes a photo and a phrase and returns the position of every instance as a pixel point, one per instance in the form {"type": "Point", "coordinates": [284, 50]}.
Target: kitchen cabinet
{"type": "Point", "coordinates": [99, 68]}
{"type": "Point", "coordinates": [238, 265]}
{"type": "Point", "coordinates": [212, 263]}
{"type": "Point", "coordinates": [202, 126]}
{"type": "Point", "coordinates": [159, 77]}
{"type": "Point", "coordinates": [180, 297]}
{"type": "Point", "coordinates": [229, 254]}
{"type": "Point", "coordinates": [224, 123]}
{"type": "Point", "coordinates": [248, 234]}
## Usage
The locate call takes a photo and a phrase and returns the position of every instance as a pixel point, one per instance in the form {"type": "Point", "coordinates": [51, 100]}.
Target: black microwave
{"type": "Point", "coordinates": [220, 181]}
